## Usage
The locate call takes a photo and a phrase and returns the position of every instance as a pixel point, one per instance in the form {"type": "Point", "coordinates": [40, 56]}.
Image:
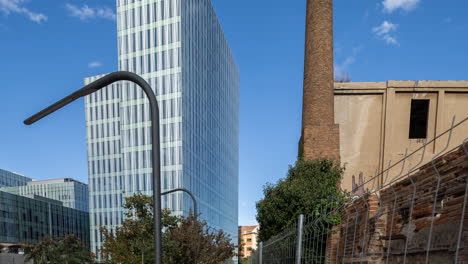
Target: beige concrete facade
{"type": "Point", "coordinates": [374, 120]}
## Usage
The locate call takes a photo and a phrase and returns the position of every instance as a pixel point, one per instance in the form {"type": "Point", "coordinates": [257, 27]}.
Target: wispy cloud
{"type": "Point", "coordinates": [393, 5]}
{"type": "Point", "coordinates": [17, 6]}
{"type": "Point", "coordinates": [94, 64]}
{"type": "Point", "coordinates": [86, 13]}
{"type": "Point", "coordinates": [384, 32]}
{"type": "Point", "coordinates": [342, 68]}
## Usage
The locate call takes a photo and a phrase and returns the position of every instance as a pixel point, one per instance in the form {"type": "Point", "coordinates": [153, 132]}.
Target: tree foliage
{"type": "Point", "coordinates": [311, 188]}
{"type": "Point", "coordinates": [185, 239]}
{"type": "Point", "coordinates": [59, 250]}
{"type": "Point", "coordinates": [195, 242]}
{"type": "Point", "coordinates": [245, 260]}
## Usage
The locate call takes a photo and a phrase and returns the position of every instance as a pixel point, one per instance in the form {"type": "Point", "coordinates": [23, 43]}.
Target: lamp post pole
{"type": "Point", "coordinates": [154, 108]}
{"type": "Point", "coordinates": [189, 193]}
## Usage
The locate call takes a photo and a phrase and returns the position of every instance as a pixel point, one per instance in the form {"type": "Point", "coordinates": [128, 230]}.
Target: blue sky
{"type": "Point", "coordinates": [48, 47]}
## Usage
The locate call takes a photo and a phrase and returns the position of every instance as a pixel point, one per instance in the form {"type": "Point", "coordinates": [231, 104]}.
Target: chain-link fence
{"type": "Point", "coordinates": [416, 214]}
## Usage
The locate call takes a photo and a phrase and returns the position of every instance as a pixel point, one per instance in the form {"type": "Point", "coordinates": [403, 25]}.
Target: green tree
{"type": "Point", "coordinates": [133, 241]}
{"type": "Point", "coordinates": [195, 242]}
{"type": "Point", "coordinates": [245, 260]}
{"type": "Point", "coordinates": [59, 250]}
{"type": "Point", "coordinates": [185, 239]}
{"type": "Point", "coordinates": [310, 188]}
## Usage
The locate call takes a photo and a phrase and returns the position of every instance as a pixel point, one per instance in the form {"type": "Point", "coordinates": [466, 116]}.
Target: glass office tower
{"type": "Point", "coordinates": [179, 47]}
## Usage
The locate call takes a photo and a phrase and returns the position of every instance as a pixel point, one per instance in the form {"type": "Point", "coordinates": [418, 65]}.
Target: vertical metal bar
{"type": "Point", "coordinates": [313, 253]}
{"type": "Point", "coordinates": [346, 236]}
{"type": "Point", "coordinates": [436, 192]}
{"type": "Point", "coordinates": [300, 224]}
{"type": "Point", "coordinates": [316, 248]}
{"type": "Point", "coordinates": [310, 232]}
{"type": "Point", "coordinates": [309, 254]}
{"type": "Point", "coordinates": [355, 229]}
{"type": "Point", "coordinates": [460, 230]}
{"type": "Point", "coordinates": [394, 206]}
{"type": "Point", "coordinates": [319, 236]}
{"type": "Point", "coordinates": [338, 240]}
{"type": "Point", "coordinates": [391, 225]}
{"type": "Point", "coordinates": [364, 237]}
{"type": "Point", "coordinates": [315, 241]}
{"type": "Point", "coordinates": [323, 241]}
{"type": "Point", "coordinates": [413, 197]}
{"type": "Point", "coordinates": [260, 253]}
{"type": "Point", "coordinates": [324, 237]}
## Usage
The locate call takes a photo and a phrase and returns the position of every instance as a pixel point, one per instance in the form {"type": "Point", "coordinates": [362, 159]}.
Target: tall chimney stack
{"type": "Point", "coordinates": [320, 134]}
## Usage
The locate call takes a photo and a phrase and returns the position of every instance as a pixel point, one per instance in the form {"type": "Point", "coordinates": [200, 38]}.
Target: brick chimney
{"type": "Point", "coordinates": [320, 134]}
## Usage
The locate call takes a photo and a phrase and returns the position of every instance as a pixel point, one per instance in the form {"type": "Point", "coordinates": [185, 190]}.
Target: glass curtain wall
{"type": "Point", "coordinates": [178, 46]}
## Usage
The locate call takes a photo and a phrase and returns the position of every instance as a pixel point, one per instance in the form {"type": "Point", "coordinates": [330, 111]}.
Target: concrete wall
{"type": "Point", "coordinates": [374, 122]}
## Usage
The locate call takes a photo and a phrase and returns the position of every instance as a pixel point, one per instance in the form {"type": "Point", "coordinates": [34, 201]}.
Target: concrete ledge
{"type": "Point", "coordinates": [443, 84]}
{"type": "Point", "coordinates": [400, 84]}
{"type": "Point", "coordinates": [360, 85]}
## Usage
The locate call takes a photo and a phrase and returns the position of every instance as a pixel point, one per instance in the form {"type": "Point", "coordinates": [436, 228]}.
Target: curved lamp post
{"type": "Point", "coordinates": [189, 193]}
{"type": "Point", "coordinates": [96, 86]}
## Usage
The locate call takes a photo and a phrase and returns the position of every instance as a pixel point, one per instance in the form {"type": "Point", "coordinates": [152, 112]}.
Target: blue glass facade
{"type": "Point", "coordinates": [210, 96]}
{"type": "Point", "coordinates": [180, 49]}
{"type": "Point", "coordinates": [11, 179]}
{"type": "Point", "coordinates": [71, 193]}
{"type": "Point", "coordinates": [26, 220]}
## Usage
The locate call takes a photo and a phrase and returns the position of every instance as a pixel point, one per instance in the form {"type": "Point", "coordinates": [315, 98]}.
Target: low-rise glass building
{"type": "Point", "coordinates": [72, 193]}
{"type": "Point", "coordinates": [11, 179]}
{"type": "Point", "coordinates": [28, 219]}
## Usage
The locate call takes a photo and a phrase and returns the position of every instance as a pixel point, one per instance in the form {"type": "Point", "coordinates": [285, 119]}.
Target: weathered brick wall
{"type": "Point", "coordinates": [395, 224]}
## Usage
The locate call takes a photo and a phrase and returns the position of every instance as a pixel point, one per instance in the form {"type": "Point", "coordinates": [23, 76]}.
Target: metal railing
{"type": "Point", "coordinates": [416, 215]}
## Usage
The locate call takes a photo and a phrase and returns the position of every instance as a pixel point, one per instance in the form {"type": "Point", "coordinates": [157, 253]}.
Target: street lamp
{"type": "Point", "coordinates": [154, 109]}
{"type": "Point", "coordinates": [189, 193]}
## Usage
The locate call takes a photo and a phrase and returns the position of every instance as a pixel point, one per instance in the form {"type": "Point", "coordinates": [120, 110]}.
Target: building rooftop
{"type": "Point", "coordinates": [52, 181]}
{"type": "Point", "coordinates": [11, 172]}
{"type": "Point", "coordinates": [401, 84]}
{"type": "Point", "coordinates": [249, 228]}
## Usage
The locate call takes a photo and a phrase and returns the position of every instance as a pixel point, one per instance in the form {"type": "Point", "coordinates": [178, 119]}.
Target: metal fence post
{"type": "Point", "coordinates": [260, 253]}
{"type": "Point", "coordinates": [300, 225]}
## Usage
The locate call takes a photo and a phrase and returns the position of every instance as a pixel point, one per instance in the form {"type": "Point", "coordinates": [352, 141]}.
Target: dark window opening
{"type": "Point", "coordinates": [419, 118]}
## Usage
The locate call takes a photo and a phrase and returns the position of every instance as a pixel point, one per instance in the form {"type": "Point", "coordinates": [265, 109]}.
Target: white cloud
{"type": "Point", "coordinates": [342, 69]}
{"type": "Point", "coordinates": [94, 64]}
{"type": "Point", "coordinates": [390, 40]}
{"type": "Point", "coordinates": [385, 28]}
{"type": "Point", "coordinates": [393, 5]}
{"type": "Point", "coordinates": [85, 12]}
{"type": "Point", "coordinates": [16, 6]}
{"type": "Point", "coordinates": [384, 32]}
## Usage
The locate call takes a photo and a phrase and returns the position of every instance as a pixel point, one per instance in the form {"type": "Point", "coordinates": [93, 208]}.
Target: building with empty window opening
{"type": "Point", "coordinates": [380, 121]}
